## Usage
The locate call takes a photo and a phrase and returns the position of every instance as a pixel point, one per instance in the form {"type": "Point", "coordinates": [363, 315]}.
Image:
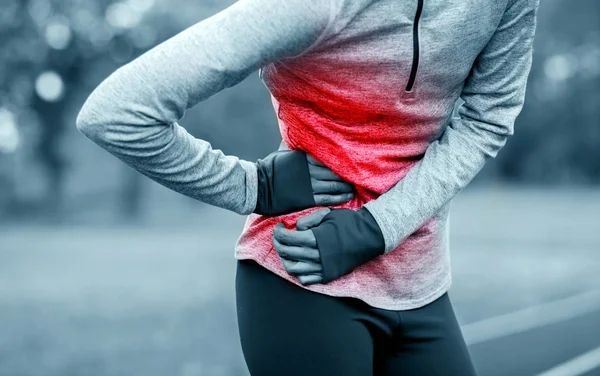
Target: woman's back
{"type": "Point", "coordinates": [367, 99]}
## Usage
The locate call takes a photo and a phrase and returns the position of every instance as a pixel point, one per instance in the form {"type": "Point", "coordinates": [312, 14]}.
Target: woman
{"type": "Point", "coordinates": [364, 91]}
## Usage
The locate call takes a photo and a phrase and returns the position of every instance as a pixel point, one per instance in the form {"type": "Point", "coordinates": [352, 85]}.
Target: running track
{"type": "Point", "coordinates": [132, 300]}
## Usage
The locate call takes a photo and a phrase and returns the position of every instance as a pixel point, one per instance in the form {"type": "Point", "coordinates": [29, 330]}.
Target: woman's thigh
{"type": "Point", "coordinates": [287, 330]}
{"type": "Point", "coordinates": [431, 343]}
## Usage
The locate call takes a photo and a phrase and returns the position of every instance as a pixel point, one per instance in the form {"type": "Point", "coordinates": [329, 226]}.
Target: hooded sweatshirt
{"type": "Point", "coordinates": [367, 87]}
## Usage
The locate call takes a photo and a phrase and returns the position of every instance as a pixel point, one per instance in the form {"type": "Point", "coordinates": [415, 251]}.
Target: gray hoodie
{"type": "Point", "coordinates": [368, 87]}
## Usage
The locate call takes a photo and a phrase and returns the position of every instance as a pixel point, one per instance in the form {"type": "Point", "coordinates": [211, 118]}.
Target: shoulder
{"type": "Point", "coordinates": [340, 14]}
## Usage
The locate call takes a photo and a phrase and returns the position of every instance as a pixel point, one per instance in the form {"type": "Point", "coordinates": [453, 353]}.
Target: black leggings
{"type": "Point", "coordinates": [286, 330]}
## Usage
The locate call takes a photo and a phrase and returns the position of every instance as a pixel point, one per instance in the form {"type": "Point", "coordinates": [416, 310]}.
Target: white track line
{"type": "Point", "coordinates": [576, 366]}
{"type": "Point", "coordinates": [530, 318]}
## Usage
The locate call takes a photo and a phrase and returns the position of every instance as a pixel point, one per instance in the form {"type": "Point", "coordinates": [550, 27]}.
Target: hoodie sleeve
{"type": "Point", "coordinates": [493, 97]}
{"type": "Point", "coordinates": [133, 113]}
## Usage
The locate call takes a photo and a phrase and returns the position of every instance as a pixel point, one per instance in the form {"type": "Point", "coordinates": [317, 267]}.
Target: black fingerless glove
{"type": "Point", "coordinates": [346, 239]}
{"type": "Point", "coordinates": [284, 184]}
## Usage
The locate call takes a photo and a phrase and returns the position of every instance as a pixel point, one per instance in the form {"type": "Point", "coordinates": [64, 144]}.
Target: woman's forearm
{"type": "Point", "coordinates": [494, 95]}
{"type": "Point", "coordinates": [133, 113]}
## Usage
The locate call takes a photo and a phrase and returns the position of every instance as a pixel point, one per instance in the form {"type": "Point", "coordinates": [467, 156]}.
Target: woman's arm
{"type": "Point", "coordinates": [493, 97]}
{"type": "Point", "coordinates": [133, 113]}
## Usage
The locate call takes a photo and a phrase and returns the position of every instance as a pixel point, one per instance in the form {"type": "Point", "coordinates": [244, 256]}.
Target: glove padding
{"type": "Point", "coordinates": [284, 183]}
{"type": "Point", "coordinates": [347, 239]}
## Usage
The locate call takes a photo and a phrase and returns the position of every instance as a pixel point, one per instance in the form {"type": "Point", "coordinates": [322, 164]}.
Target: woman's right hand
{"type": "Point", "coordinates": [292, 180]}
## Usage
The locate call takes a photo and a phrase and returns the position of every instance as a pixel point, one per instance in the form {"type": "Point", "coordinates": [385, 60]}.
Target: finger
{"type": "Point", "coordinates": [312, 160]}
{"type": "Point", "coordinates": [296, 253]}
{"type": "Point", "coordinates": [301, 267]}
{"type": "Point", "coordinates": [319, 186]}
{"type": "Point", "coordinates": [292, 237]}
{"type": "Point", "coordinates": [310, 279]}
{"type": "Point", "coordinates": [311, 220]}
{"type": "Point", "coordinates": [323, 173]}
{"type": "Point", "coordinates": [325, 199]}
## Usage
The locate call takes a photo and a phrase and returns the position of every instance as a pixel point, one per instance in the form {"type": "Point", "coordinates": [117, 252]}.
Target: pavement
{"type": "Point", "coordinates": [157, 298]}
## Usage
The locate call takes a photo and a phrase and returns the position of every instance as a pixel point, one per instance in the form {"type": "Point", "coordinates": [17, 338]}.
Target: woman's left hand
{"type": "Point", "coordinates": [328, 243]}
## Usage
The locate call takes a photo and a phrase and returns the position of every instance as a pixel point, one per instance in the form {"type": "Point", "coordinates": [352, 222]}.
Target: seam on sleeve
{"type": "Point", "coordinates": [251, 187]}
{"type": "Point", "coordinates": [386, 228]}
{"type": "Point", "coordinates": [321, 37]}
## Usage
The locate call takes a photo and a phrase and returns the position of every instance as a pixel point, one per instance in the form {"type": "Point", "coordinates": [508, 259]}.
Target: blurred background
{"type": "Point", "coordinates": [104, 272]}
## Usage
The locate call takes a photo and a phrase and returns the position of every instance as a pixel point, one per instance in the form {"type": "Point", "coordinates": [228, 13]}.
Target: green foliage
{"type": "Point", "coordinates": [55, 52]}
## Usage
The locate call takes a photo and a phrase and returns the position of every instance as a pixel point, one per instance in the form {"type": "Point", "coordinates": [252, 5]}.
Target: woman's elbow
{"type": "Point", "coordinates": [102, 107]}
{"type": "Point", "coordinates": [87, 123]}
{"type": "Point", "coordinates": [96, 118]}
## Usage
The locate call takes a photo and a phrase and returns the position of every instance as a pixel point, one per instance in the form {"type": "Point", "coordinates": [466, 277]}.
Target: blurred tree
{"type": "Point", "coordinates": [557, 135]}
{"type": "Point", "coordinates": [49, 47]}
{"type": "Point", "coordinates": [53, 53]}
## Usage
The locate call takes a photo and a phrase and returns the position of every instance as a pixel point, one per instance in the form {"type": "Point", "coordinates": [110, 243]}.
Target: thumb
{"type": "Point", "coordinates": [311, 220]}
